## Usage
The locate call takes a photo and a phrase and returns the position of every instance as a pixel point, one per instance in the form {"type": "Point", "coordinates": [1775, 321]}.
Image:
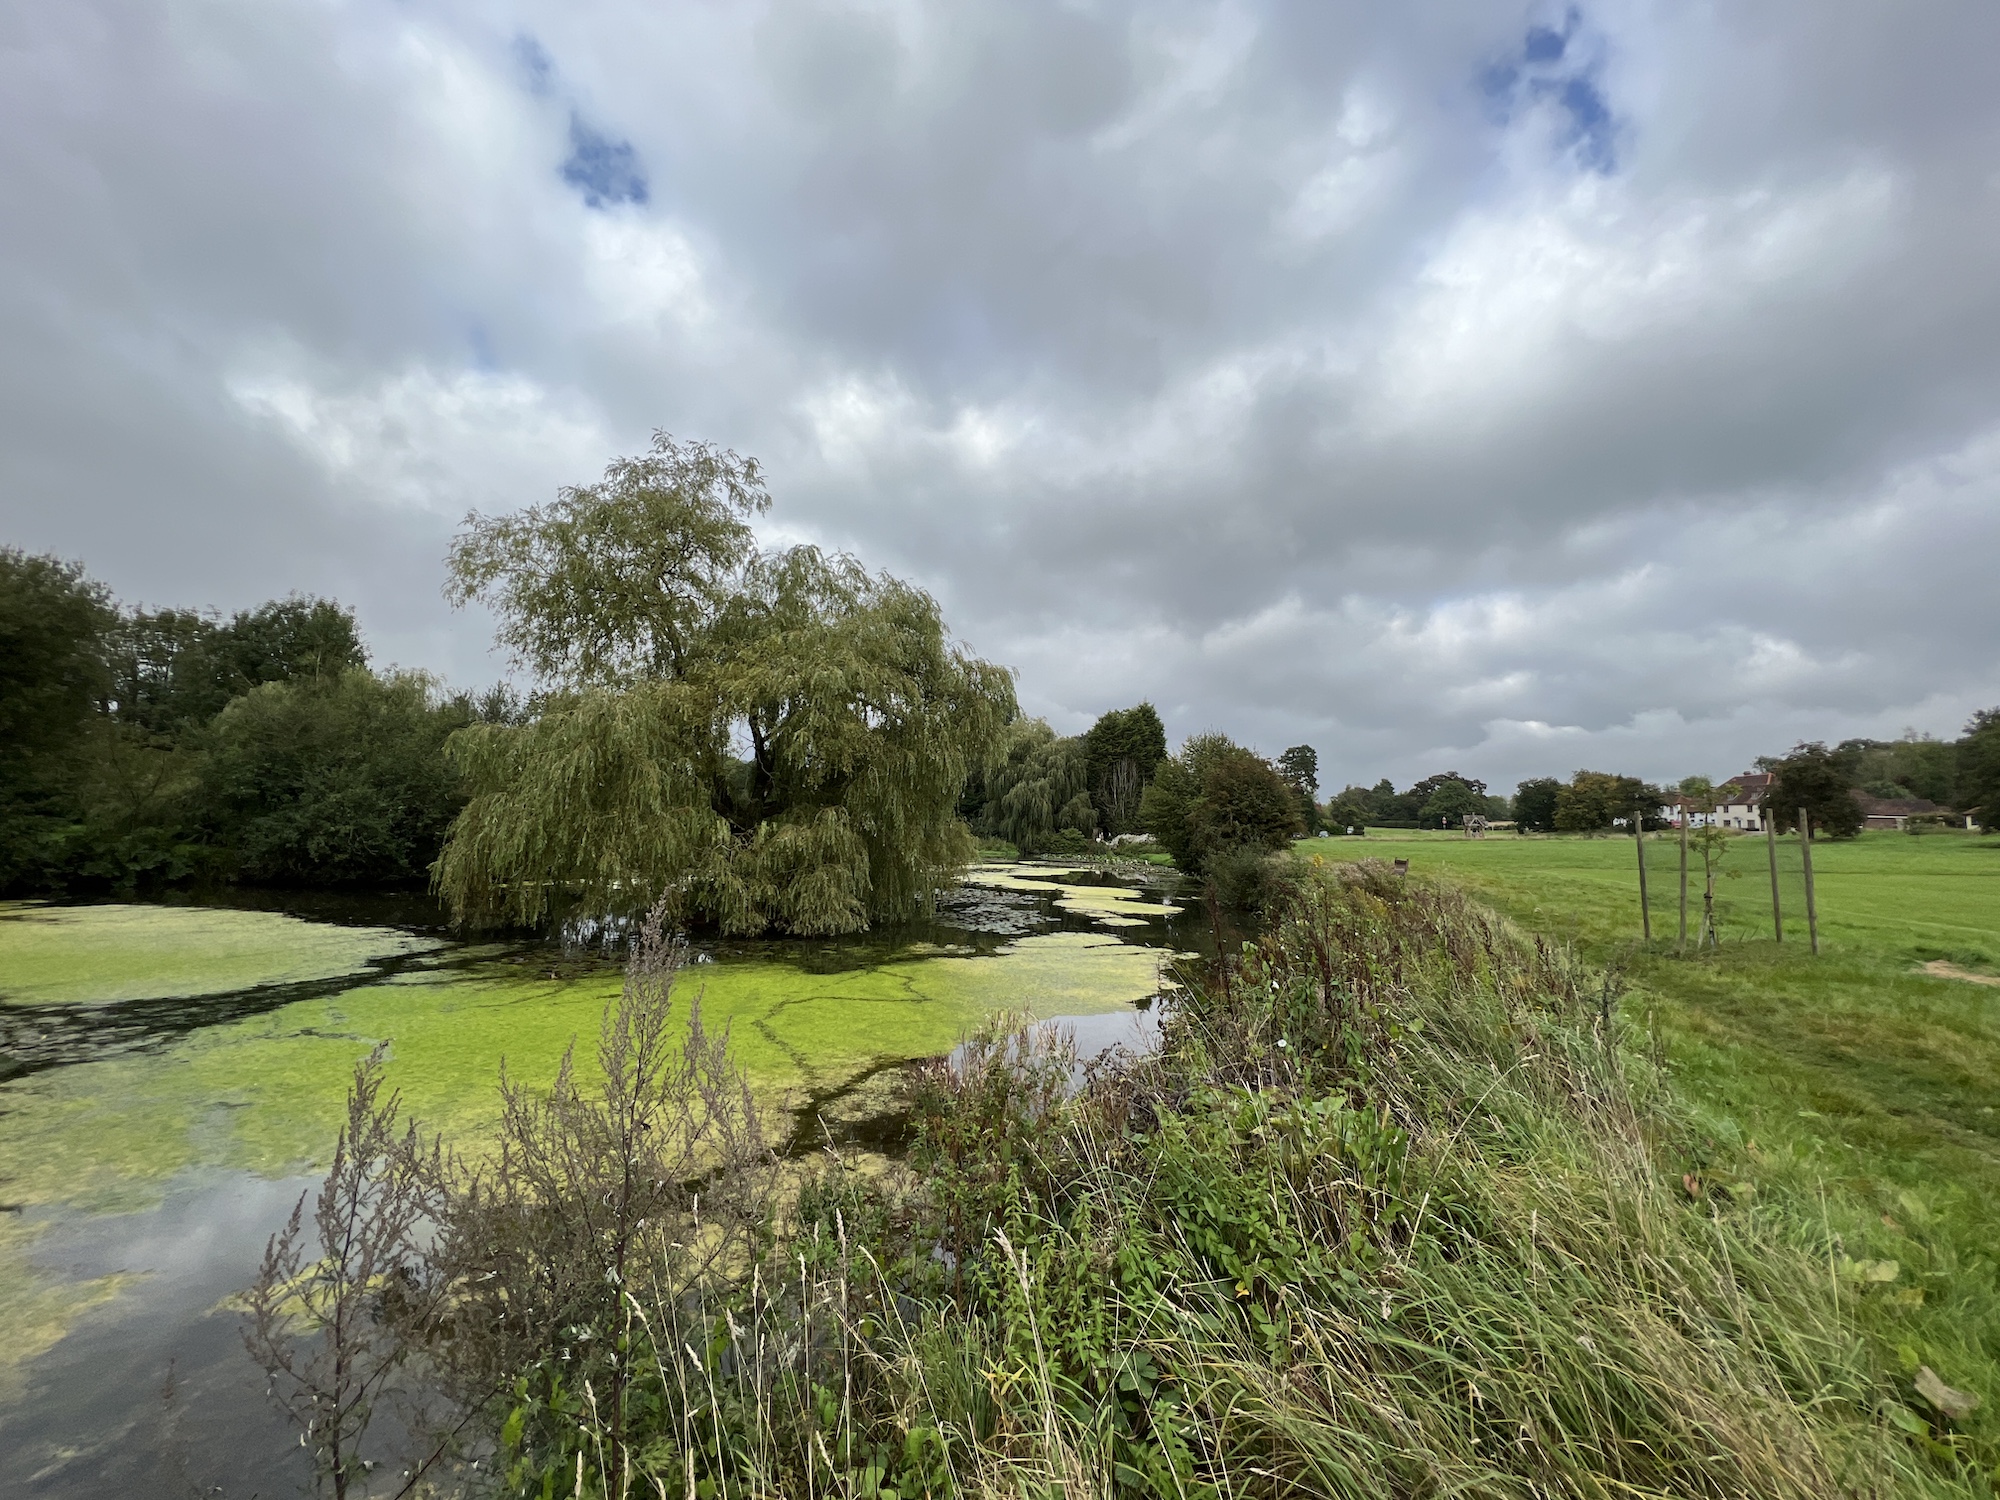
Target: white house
{"type": "Point", "coordinates": [1740, 805]}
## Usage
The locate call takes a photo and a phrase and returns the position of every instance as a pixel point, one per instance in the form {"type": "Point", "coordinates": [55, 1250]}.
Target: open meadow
{"type": "Point", "coordinates": [1853, 1088]}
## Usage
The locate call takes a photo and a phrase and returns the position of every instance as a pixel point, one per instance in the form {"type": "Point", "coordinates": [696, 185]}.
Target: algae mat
{"type": "Point", "coordinates": [260, 1094]}
{"type": "Point", "coordinates": [57, 955]}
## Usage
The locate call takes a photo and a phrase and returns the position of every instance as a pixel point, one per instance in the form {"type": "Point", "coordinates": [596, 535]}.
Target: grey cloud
{"type": "Point", "coordinates": [1270, 361]}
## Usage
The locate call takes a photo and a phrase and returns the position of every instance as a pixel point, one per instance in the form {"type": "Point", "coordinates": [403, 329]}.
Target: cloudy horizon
{"type": "Point", "coordinates": [1505, 389]}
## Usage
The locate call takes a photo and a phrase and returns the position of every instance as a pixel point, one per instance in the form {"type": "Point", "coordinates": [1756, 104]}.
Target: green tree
{"type": "Point", "coordinates": [769, 739]}
{"type": "Point", "coordinates": [1300, 768]}
{"type": "Point", "coordinates": [1916, 765]}
{"type": "Point", "coordinates": [53, 620]}
{"type": "Point", "coordinates": [1121, 751]}
{"type": "Point", "coordinates": [1039, 787]}
{"type": "Point", "coordinates": [1978, 783]}
{"type": "Point", "coordinates": [1214, 798]}
{"type": "Point", "coordinates": [1815, 779]}
{"type": "Point", "coordinates": [174, 669]}
{"type": "Point", "coordinates": [1535, 805]}
{"type": "Point", "coordinates": [1443, 799]}
{"type": "Point", "coordinates": [1595, 800]}
{"type": "Point", "coordinates": [1345, 815]}
{"type": "Point", "coordinates": [1451, 802]}
{"type": "Point", "coordinates": [338, 781]}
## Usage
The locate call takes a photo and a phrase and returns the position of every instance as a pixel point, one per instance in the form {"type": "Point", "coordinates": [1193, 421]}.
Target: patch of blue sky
{"type": "Point", "coordinates": [1548, 69]}
{"type": "Point", "coordinates": [604, 170]}
{"type": "Point", "coordinates": [1545, 44]}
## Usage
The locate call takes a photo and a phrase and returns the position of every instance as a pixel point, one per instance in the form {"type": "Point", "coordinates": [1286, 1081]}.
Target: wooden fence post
{"type": "Point", "coordinates": [1684, 877]}
{"type": "Point", "coordinates": [1771, 844]}
{"type": "Point", "coordinates": [1812, 907]}
{"type": "Point", "coordinates": [1639, 843]}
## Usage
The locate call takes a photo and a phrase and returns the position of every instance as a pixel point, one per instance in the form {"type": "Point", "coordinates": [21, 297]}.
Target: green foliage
{"type": "Point", "coordinates": [1214, 796]}
{"type": "Point", "coordinates": [1300, 767]}
{"type": "Point", "coordinates": [1343, 813]}
{"type": "Point", "coordinates": [1451, 803]}
{"type": "Point", "coordinates": [337, 780]}
{"type": "Point", "coordinates": [1979, 768]}
{"type": "Point", "coordinates": [1121, 751]}
{"type": "Point", "coordinates": [617, 582]}
{"type": "Point", "coordinates": [175, 669]}
{"type": "Point", "coordinates": [1816, 780]}
{"type": "Point", "coordinates": [1920, 765]}
{"type": "Point", "coordinates": [1594, 800]}
{"type": "Point", "coordinates": [677, 647]}
{"type": "Point", "coordinates": [1038, 790]}
{"type": "Point", "coordinates": [52, 622]}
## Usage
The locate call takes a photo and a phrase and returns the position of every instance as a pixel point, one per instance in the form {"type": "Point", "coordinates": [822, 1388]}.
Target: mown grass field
{"type": "Point", "coordinates": [1861, 1089]}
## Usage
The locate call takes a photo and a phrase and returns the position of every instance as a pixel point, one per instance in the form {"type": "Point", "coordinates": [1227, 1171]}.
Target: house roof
{"type": "Point", "coordinates": [1896, 807]}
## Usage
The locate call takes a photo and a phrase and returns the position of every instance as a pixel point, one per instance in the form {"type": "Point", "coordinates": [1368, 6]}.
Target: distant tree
{"type": "Point", "coordinates": [164, 673]}
{"type": "Point", "coordinates": [1121, 750]}
{"type": "Point", "coordinates": [1039, 789]}
{"type": "Point", "coordinates": [1916, 765]}
{"type": "Point", "coordinates": [53, 620]}
{"type": "Point", "coordinates": [1344, 815]}
{"type": "Point", "coordinates": [766, 738]}
{"type": "Point", "coordinates": [1215, 797]}
{"type": "Point", "coordinates": [336, 781]}
{"type": "Point", "coordinates": [1244, 804]}
{"type": "Point", "coordinates": [1445, 798]}
{"type": "Point", "coordinates": [1978, 782]}
{"type": "Point", "coordinates": [1596, 800]}
{"type": "Point", "coordinates": [1450, 803]}
{"type": "Point", "coordinates": [1300, 768]}
{"type": "Point", "coordinates": [174, 669]}
{"type": "Point", "coordinates": [287, 640]}
{"type": "Point", "coordinates": [1535, 805]}
{"type": "Point", "coordinates": [1815, 779]}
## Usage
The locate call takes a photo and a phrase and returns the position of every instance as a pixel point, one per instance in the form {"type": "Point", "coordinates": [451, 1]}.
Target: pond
{"type": "Point", "coordinates": [171, 1078]}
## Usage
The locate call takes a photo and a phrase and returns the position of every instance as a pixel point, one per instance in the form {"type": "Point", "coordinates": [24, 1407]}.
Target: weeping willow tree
{"type": "Point", "coordinates": [770, 739]}
{"type": "Point", "coordinates": [1039, 787]}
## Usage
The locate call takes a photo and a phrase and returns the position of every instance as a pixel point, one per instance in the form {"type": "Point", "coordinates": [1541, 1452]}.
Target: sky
{"type": "Point", "coordinates": [1497, 388]}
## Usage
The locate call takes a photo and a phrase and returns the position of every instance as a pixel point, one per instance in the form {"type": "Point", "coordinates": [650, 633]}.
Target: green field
{"type": "Point", "coordinates": [1854, 1084]}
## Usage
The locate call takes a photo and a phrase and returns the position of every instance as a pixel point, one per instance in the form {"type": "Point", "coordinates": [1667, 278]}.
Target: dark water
{"type": "Point", "coordinates": [152, 1392]}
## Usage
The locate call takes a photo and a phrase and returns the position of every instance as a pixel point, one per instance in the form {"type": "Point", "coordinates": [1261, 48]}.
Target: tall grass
{"type": "Point", "coordinates": [1398, 1207]}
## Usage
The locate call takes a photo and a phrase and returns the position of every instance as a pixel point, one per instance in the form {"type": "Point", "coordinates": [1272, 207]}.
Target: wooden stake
{"type": "Point", "coordinates": [1639, 843]}
{"type": "Point", "coordinates": [1805, 848]}
{"type": "Point", "coordinates": [1771, 844]}
{"type": "Point", "coordinates": [1684, 877]}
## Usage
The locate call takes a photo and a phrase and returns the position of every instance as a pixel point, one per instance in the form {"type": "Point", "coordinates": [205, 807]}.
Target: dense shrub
{"type": "Point", "coordinates": [1215, 797]}
{"type": "Point", "coordinates": [333, 781]}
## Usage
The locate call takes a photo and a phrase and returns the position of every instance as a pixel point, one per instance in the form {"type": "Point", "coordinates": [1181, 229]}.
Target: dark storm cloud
{"type": "Point", "coordinates": [1512, 389]}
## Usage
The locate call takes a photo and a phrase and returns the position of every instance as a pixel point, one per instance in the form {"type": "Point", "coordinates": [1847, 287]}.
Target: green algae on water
{"type": "Point", "coordinates": [55, 955]}
{"type": "Point", "coordinates": [263, 1094]}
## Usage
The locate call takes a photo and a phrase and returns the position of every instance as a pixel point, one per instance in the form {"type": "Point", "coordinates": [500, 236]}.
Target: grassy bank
{"type": "Point", "coordinates": [1401, 1206]}
{"type": "Point", "coordinates": [1853, 1088]}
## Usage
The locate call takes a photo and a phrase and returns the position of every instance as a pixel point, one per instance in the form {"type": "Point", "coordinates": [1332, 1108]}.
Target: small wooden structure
{"type": "Point", "coordinates": [1475, 826]}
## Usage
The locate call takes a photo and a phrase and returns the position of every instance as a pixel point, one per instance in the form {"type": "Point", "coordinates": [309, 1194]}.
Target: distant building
{"type": "Point", "coordinates": [1741, 808]}
{"type": "Point", "coordinates": [1896, 812]}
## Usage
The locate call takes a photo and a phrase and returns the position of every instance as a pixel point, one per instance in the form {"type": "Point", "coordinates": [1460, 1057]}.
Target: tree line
{"type": "Point", "coordinates": [1961, 774]}
{"type": "Point", "coordinates": [765, 739]}
{"type": "Point", "coordinates": [148, 747]}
